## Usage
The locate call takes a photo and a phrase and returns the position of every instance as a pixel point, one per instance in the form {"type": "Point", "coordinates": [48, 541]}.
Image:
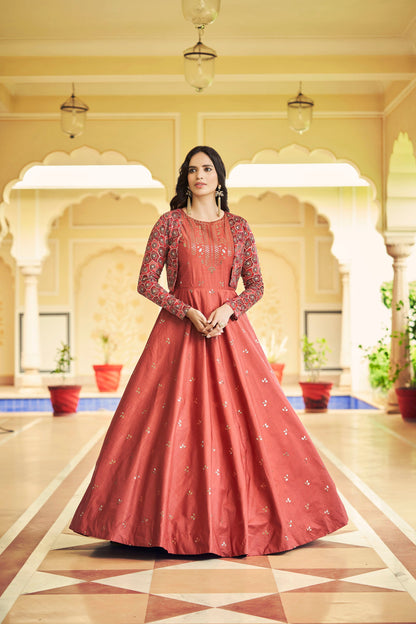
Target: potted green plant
{"type": "Point", "coordinates": [107, 376]}
{"type": "Point", "coordinates": [64, 397]}
{"type": "Point", "coordinates": [315, 392]}
{"type": "Point", "coordinates": [381, 376]}
{"type": "Point", "coordinates": [274, 351]}
{"type": "Point", "coordinates": [379, 373]}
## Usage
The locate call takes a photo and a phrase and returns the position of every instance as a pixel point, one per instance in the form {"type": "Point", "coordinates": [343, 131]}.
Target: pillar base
{"type": "Point", "coordinates": [392, 403]}
{"type": "Point", "coordinates": [399, 247]}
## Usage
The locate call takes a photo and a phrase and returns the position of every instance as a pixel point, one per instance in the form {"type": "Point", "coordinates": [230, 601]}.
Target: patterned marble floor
{"type": "Point", "coordinates": [364, 573]}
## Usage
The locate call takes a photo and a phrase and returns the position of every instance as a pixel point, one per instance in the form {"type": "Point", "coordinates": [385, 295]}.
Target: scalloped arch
{"type": "Point", "coordinates": [119, 195]}
{"type": "Point", "coordinates": [280, 198]}
{"type": "Point", "coordinates": [299, 154]}
{"type": "Point", "coordinates": [84, 155]}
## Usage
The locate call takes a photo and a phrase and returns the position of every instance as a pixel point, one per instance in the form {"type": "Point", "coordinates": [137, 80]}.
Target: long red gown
{"type": "Point", "coordinates": [204, 453]}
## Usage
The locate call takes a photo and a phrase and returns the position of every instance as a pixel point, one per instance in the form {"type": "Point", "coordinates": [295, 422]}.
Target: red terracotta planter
{"type": "Point", "coordinates": [316, 395]}
{"type": "Point", "coordinates": [406, 398]}
{"type": "Point", "coordinates": [107, 376]}
{"type": "Point", "coordinates": [278, 370]}
{"type": "Point", "coordinates": [64, 399]}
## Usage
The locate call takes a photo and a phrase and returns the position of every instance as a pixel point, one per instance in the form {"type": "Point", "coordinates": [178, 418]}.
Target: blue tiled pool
{"type": "Point", "coordinates": [92, 404]}
{"type": "Point", "coordinates": [344, 402]}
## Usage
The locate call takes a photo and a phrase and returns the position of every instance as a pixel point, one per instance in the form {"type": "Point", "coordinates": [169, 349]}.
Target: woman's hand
{"type": "Point", "coordinates": [197, 319]}
{"type": "Point", "coordinates": [217, 320]}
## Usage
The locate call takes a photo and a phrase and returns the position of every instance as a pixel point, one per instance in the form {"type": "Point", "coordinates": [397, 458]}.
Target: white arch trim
{"type": "Point", "coordinates": [293, 155]}
{"type": "Point", "coordinates": [82, 156]}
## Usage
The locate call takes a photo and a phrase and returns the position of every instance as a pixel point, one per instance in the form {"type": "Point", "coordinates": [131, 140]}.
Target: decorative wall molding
{"type": "Point", "coordinates": [275, 115]}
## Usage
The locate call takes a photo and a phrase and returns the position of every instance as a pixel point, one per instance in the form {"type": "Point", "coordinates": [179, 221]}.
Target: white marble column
{"type": "Point", "coordinates": [399, 249]}
{"type": "Point", "coordinates": [345, 356]}
{"type": "Point", "coordinates": [31, 333]}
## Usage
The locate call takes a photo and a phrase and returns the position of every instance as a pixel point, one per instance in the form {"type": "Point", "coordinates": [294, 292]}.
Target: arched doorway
{"type": "Point", "coordinates": [300, 273]}
{"type": "Point", "coordinates": [353, 218]}
{"type": "Point", "coordinates": [40, 223]}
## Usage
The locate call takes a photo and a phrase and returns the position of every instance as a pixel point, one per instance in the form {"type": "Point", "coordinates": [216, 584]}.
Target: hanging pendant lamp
{"type": "Point", "coordinates": [299, 112]}
{"type": "Point", "coordinates": [73, 115]}
{"type": "Point", "coordinates": [201, 12]}
{"type": "Point", "coordinates": [199, 64]}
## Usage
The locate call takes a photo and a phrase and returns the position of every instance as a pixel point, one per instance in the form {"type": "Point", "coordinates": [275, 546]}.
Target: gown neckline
{"type": "Point", "coordinates": [200, 220]}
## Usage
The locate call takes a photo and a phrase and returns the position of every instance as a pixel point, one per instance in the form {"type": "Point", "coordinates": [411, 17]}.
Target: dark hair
{"type": "Point", "coordinates": [180, 199]}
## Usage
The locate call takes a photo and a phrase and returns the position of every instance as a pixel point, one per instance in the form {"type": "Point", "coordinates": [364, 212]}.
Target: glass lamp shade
{"type": "Point", "coordinates": [73, 116]}
{"type": "Point", "coordinates": [299, 113]}
{"type": "Point", "coordinates": [201, 12]}
{"type": "Point", "coordinates": [199, 62]}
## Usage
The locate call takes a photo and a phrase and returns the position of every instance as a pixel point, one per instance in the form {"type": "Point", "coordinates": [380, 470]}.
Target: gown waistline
{"type": "Point", "coordinates": [205, 288]}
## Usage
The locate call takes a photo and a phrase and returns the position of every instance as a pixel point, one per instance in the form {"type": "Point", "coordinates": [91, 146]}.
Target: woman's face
{"type": "Point", "coordinates": [202, 176]}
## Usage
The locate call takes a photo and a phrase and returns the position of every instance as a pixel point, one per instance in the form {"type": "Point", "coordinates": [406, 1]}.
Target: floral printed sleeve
{"type": "Point", "coordinates": [252, 279]}
{"type": "Point", "coordinates": [153, 261]}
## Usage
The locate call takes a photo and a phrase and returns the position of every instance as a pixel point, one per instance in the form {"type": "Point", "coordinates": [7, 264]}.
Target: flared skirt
{"type": "Point", "coordinates": [205, 454]}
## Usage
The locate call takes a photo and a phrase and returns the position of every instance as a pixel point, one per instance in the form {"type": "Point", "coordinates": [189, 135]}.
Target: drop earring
{"type": "Point", "coordinates": [188, 201]}
{"type": "Point", "coordinates": [218, 194]}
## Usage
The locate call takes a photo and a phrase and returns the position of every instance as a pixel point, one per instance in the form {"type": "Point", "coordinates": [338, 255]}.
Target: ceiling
{"type": "Point", "coordinates": [353, 53]}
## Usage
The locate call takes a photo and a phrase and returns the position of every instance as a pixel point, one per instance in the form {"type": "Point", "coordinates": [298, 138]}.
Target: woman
{"type": "Point", "coordinates": [204, 453]}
